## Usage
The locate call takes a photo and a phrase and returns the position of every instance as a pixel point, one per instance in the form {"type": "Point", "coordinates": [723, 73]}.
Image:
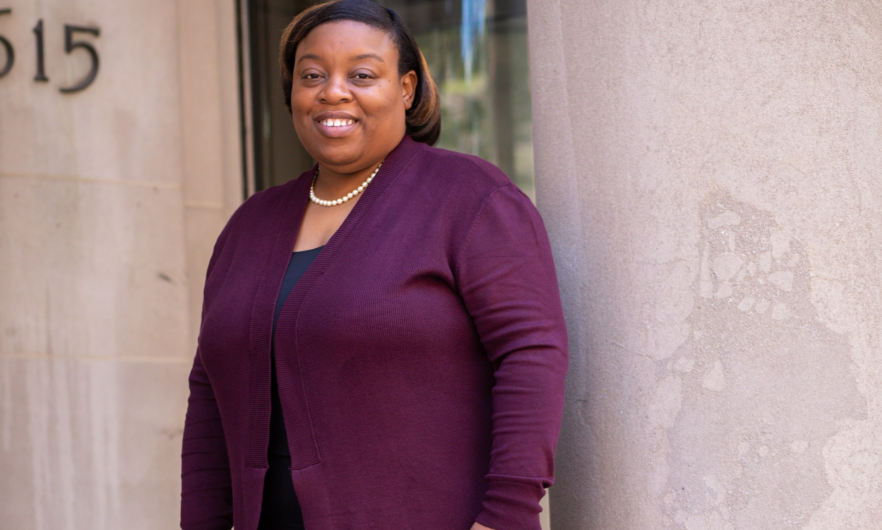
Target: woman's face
{"type": "Point", "coordinates": [347, 100]}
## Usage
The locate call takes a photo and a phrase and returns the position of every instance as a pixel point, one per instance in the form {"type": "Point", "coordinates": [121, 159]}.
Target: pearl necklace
{"type": "Point", "coordinates": [345, 198]}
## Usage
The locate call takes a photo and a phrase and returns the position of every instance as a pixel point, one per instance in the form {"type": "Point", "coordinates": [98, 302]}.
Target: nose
{"type": "Point", "coordinates": [336, 91]}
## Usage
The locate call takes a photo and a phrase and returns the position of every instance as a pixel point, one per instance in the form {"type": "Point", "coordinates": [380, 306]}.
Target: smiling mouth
{"type": "Point", "coordinates": [337, 123]}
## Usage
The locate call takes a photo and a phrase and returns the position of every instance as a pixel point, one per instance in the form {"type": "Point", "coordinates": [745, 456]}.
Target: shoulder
{"type": "Point", "coordinates": [262, 207]}
{"type": "Point", "coordinates": [265, 202]}
{"type": "Point", "coordinates": [463, 195]}
{"type": "Point", "coordinates": [474, 177]}
{"type": "Point", "coordinates": [253, 215]}
{"type": "Point", "coordinates": [462, 183]}
{"type": "Point", "coordinates": [450, 168]}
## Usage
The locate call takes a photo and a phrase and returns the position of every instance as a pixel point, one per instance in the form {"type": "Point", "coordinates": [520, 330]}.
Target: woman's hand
{"type": "Point", "coordinates": [479, 526]}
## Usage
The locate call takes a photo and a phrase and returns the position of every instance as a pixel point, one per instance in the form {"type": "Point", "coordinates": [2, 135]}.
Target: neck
{"type": "Point", "coordinates": [332, 184]}
{"type": "Point", "coordinates": [335, 182]}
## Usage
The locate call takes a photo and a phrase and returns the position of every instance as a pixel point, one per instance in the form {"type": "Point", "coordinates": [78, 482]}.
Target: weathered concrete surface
{"type": "Point", "coordinates": [710, 176]}
{"type": "Point", "coordinates": [110, 200]}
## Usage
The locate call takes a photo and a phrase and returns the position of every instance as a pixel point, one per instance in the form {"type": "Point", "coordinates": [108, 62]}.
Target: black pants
{"type": "Point", "coordinates": [280, 509]}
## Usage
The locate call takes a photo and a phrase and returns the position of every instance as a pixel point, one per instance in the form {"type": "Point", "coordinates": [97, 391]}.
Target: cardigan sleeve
{"type": "Point", "coordinates": [206, 484]}
{"type": "Point", "coordinates": [506, 277]}
{"type": "Point", "coordinates": [206, 487]}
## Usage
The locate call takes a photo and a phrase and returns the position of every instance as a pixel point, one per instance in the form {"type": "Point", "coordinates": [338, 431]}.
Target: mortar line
{"type": "Point", "coordinates": [146, 359]}
{"type": "Point", "coordinates": [92, 180]}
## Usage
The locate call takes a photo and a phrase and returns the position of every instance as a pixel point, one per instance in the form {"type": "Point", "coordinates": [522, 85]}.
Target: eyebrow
{"type": "Point", "coordinates": [361, 57]}
{"type": "Point", "coordinates": [368, 56]}
{"type": "Point", "coordinates": [312, 56]}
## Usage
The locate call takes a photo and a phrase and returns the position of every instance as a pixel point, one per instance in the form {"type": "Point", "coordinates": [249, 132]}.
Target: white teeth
{"type": "Point", "coordinates": [336, 123]}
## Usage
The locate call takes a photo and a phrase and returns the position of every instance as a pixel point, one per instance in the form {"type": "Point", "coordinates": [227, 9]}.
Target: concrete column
{"type": "Point", "coordinates": [110, 199]}
{"type": "Point", "coordinates": [710, 176]}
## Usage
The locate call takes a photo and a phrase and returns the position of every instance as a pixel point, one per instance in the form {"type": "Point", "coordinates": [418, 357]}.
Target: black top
{"type": "Point", "coordinates": [300, 261]}
{"type": "Point", "coordinates": [280, 509]}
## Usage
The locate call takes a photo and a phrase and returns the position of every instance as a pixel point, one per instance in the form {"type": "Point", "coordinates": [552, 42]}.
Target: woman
{"type": "Point", "coordinates": [382, 342]}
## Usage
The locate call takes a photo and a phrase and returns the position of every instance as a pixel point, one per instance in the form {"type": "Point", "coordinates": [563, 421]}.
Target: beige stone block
{"type": "Point", "coordinates": [92, 269]}
{"type": "Point", "coordinates": [201, 116]}
{"type": "Point", "coordinates": [90, 444]}
{"type": "Point", "coordinates": [125, 126]}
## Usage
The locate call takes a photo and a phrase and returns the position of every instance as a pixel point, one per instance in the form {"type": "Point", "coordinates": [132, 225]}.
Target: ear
{"type": "Point", "coordinates": [408, 88]}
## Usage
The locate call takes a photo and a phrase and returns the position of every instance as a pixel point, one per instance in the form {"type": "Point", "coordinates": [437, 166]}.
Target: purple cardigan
{"type": "Point", "coordinates": [421, 357]}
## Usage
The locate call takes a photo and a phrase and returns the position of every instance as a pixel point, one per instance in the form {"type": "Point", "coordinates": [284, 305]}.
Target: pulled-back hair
{"type": "Point", "coordinates": [423, 118]}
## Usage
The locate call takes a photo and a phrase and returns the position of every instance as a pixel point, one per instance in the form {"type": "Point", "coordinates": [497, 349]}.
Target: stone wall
{"type": "Point", "coordinates": [110, 201]}
{"type": "Point", "coordinates": [710, 176]}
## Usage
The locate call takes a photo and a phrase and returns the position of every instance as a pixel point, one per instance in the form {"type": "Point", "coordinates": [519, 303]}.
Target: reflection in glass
{"type": "Point", "coordinates": [477, 51]}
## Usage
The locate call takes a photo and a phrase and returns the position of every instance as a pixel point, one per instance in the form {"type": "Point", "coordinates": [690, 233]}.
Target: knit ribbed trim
{"type": "Point", "coordinates": [511, 506]}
